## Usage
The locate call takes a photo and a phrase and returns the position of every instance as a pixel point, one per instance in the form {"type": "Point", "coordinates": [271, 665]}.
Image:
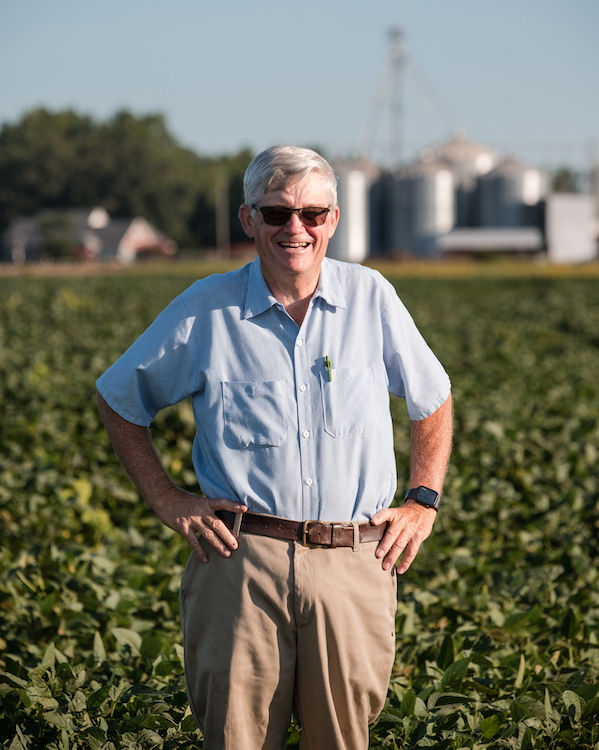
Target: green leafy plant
{"type": "Point", "coordinates": [497, 618]}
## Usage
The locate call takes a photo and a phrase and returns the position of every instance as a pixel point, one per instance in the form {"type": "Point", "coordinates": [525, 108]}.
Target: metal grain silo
{"type": "Point", "coordinates": [352, 239]}
{"type": "Point", "coordinates": [467, 161]}
{"type": "Point", "coordinates": [421, 207]}
{"type": "Point", "coordinates": [510, 195]}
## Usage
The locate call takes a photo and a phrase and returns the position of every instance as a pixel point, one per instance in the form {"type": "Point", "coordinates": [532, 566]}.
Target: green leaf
{"type": "Point", "coordinates": [587, 691]}
{"type": "Point", "coordinates": [11, 679]}
{"type": "Point", "coordinates": [180, 653]}
{"type": "Point", "coordinates": [59, 719]}
{"type": "Point", "coordinates": [78, 702]}
{"type": "Point", "coordinates": [549, 712]}
{"type": "Point", "coordinates": [526, 706]}
{"type": "Point", "coordinates": [527, 741]}
{"type": "Point", "coordinates": [99, 650]}
{"type": "Point", "coordinates": [418, 733]}
{"type": "Point", "coordinates": [146, 691]}
{"type": "Point", "coordinates": [188, 724]}
{"type": "Point", "coordinates": [420, 709]}
{"type": "Point", "coordinates": [454, 674]}
{"type": "Point", "coordinates": [448, 699]}
{"type": "Point", "coordinates": [64, 671]}
{"type": "Point", "coordinates": [570, 625]}
{"type": "Point", "coordinates": [390, 718]}
{"type": "Point", "coordinates": [152, 645]}
{"type": "Point", "coordinates": [591, 709]}
{"type": "Point", "coordinates": [96, 699]}
{"type": "Point", "coordinates": [522, 620]}
{"type": "Point", "coordinates": [408, 702]}
{"type": "Point", "coordinates": [484, 644]}
{"type": "Point", "coordinates": [167, 667]}
{"type": "Point", "coordinates": [491, 725]}
{"type": "Point", "coordinates": [18, 743]}
{"type": "Point", "coordinates": [49, 658]}
{"type": "Point", "coordinates": [47, 604]}
{"type": "Point", "coordinates": [445, 657]}
{"type": "Point", "coordinates": [147, 721]}
{"type": "Point", "coordinates": [520, 676]}
{"type": "Point", "coordinates": [39, 692]}
{"type": "Point", "coordinates": [128, 638]}
{"type": "Point", "coordinates": [574, 705]}
{"type": "Point", "coordinates": [445, 723]}
{"type": "Point", "coordinates": [94, 735]}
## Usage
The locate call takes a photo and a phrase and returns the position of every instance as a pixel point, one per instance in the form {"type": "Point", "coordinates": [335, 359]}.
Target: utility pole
{"type": "Point", "coordinates": [388, 92]}
{"type": "Point", "coordinates": [396, 60]}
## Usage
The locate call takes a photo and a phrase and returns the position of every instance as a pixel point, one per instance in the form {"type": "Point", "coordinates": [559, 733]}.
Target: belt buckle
{"type": "Point", "coordinates": [304, 537]}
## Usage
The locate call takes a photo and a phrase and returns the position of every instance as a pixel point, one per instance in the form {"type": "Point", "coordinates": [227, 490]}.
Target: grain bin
{"type": "Point", "coordinates": [467, 160]}
{"type": "Point", "coordinates": [510, 195]}
{"type": "Point", "coordinates": [351, 240]}
{"type": "Point", "coordinates": [421, 207]}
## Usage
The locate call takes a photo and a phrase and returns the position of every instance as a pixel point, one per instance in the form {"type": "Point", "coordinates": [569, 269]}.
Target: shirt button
{"type": "Point", "coordinates": [309, 482]}
{"type": "Point", "coordinates": [299, 342]}
{"type": "Point", "coordinates": [305, 433]}
{"type": "Point", "coordinates": [303, 387]}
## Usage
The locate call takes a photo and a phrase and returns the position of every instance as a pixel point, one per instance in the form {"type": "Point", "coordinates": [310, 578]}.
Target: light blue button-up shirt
{"type": "Point", "coordinates": [272, 429]}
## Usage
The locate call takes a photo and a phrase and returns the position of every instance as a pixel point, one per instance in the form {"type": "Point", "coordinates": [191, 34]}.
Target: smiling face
{"type": "Point", "coordinates": [291, 255]}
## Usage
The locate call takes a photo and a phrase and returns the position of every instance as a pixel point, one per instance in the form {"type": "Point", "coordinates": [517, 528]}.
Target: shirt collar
{"type": "Point", "coordinates": [329, 287]}
{"type": "Point", "coordinates": [259, 297]}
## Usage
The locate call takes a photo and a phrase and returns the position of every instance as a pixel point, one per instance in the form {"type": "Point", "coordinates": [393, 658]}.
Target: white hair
{"type": "Point", "coordinates": [279, 165]}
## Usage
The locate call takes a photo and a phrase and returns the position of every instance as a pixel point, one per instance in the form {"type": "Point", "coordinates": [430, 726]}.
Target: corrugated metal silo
{"type": "Point", "coordinates": [352, 239]}
{"type": "Point", "coordinates": [422, 207]}
{"type": "Point", "coordinates": [510, 195]}
{"type": "Point", "coordinates": [467, 160]}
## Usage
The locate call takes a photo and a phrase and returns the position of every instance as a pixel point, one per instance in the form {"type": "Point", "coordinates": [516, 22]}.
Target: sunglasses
{"type": "Point", "coordinates": [278, 216]}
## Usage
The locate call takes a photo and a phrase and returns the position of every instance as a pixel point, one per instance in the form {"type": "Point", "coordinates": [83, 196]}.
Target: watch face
{"type": "Point", "coordinates": [424, 495]}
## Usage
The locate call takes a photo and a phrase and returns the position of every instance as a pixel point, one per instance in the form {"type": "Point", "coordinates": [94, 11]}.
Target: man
{"type": "Point", "coordinates": [289, 363]}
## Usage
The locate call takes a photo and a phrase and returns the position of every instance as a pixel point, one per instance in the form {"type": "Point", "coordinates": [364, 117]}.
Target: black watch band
{"type": "Point", "coordinates": [425, 497]}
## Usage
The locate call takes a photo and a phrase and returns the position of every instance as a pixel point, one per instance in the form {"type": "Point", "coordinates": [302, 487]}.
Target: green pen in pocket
{"type": "Point", "coordinates": [329, 366]}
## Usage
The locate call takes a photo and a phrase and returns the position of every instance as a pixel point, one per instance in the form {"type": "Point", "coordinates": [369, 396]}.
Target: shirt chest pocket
{"type": "Point", "coordinates": [348, 401]}
{"type": "Point", "coordinates": [254, 414]}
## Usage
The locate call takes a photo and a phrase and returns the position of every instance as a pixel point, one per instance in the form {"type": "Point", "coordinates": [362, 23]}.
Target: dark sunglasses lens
{"type": "Point", "coordinates": [313, 217]}
{"type": "Point", "coordinates": [276, 217]}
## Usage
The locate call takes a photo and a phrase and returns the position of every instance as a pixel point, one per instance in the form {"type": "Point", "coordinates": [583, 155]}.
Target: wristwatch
{"type": "Point", "coordinates": [424, 496]}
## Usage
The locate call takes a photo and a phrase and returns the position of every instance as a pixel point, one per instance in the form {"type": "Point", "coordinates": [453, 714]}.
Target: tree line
{"type": "Point", "coordinates": [133, 166]}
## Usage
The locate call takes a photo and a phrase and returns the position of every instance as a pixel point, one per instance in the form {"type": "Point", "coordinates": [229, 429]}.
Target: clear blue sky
{"type": "Point", "coordinates": [520, 75]}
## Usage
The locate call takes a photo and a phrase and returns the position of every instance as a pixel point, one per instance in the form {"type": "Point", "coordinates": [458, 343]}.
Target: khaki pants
{"type": "Point", "coordinates": [279, 628]}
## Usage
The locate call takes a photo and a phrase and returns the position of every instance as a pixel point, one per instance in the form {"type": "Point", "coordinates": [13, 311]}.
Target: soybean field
{"type": "Point", "coordinates": [497, 619]}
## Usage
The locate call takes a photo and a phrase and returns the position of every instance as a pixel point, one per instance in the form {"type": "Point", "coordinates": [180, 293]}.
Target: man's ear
{"type": "Point", "coordinates": [247, 222]}
{"type": "Point", "coordinates": [333, 221]}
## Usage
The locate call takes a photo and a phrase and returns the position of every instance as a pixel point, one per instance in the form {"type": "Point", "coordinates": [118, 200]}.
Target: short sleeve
{"type": "Point", "coordinates": [414, 371]}
{"type": "Point", "coordinates": [158, 370]}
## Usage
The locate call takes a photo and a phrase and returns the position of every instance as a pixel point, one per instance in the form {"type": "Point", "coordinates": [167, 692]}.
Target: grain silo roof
{"type": "Point", "coordinates": [509, 167]}
{"type": "Point", "coordinates": [459, 149]}
{"type": "Point", "coordinates": [420, 168]}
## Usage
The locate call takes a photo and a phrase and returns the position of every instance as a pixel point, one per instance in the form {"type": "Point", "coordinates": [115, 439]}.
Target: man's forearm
{"type": "Point", "coordinates": [185, 513]}
{"type": "Point", "coordinates": [431, 447]}
{"type": "Point", "coordinates": [133, 446]}
{"type": "Point", "coordinates": [410, 524]}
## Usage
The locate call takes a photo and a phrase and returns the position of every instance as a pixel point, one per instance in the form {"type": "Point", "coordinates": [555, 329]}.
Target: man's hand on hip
{"type": "Point", "coordinates": [409, 526]}
{"type": "Point", "coordinates": [190, 515]}
{"type": "Point", "coordinates": [187, 514]}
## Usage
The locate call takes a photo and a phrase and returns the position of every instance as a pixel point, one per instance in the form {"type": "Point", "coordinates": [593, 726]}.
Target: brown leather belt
{"type": "Point", "coordinates": [309, 533]}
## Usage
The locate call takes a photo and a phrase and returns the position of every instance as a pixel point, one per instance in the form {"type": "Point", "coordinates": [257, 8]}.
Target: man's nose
{"type": "Point", "coordinates": [295, 223]}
